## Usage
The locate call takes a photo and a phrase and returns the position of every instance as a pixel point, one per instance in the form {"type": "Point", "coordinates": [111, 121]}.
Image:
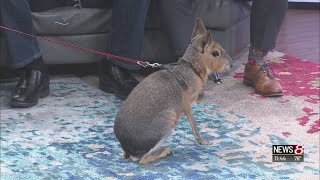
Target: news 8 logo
{"type": "Point", "coordinates": [298, 149]}
{"type": "Point", "coordinates": [287, 153]}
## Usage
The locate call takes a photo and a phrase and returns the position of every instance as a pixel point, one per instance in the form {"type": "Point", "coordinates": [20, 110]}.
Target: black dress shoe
{"type": "Point", "coordinates": [32, 85]}
{"type": "Point", "coordinates": [116, 80]}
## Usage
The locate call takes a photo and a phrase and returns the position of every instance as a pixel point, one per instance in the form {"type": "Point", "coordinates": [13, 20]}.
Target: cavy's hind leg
{"type": "Point", "coordinates": [151, 157]}
{"type": "Point", "coordinates": [157, 152]}
{"type": "Point", "coordinates": [130, 157]}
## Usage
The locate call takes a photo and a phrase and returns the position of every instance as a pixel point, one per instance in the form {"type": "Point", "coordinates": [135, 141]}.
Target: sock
{"type": "Point", "coordinates": [256, 55]}
{"type": "Point", "coordinates": [36, 64]}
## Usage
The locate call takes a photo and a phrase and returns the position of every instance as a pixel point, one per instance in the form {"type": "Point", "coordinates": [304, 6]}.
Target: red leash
{"type": "Point", "coordinates": [141, 63]}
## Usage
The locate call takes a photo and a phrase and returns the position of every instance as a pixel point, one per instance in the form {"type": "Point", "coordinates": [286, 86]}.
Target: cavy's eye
{"type": "Point", "coordinates": [215, 53]}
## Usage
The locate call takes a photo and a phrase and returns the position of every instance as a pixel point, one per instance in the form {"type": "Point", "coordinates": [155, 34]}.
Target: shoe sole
{"type": "Point", "coordinates": [43, 94]}
{"type": "Point", "coordinates": [250, 84]}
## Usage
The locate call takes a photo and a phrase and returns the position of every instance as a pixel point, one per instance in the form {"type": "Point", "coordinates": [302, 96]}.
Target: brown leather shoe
{"type": "Point", "coordinates": [258, 76]}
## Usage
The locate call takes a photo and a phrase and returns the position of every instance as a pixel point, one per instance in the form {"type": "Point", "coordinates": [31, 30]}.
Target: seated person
{"type": "Point", "coordinates": [127, 41]}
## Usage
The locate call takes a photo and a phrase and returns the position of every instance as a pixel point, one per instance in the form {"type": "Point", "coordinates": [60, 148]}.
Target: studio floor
{"type": "Point", "coordinates": [69, 135]}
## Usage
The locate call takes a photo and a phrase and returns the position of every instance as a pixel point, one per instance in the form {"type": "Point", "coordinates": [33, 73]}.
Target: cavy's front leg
{"type": "Point", "coordinates": [188, 113]}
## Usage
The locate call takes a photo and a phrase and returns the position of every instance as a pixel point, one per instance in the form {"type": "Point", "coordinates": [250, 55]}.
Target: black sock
{"type": "Point", "coordinates": [36, 64]}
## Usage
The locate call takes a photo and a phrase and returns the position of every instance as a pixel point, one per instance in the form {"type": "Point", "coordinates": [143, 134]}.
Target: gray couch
{"type": "Point", "coordinates": [91, 28]}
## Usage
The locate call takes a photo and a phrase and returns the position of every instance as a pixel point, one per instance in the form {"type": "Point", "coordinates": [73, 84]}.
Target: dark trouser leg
{"type": "Point", "coordinates": [177, 20]}
{"type": "Point", "coordinates": [128, 22]}
{"type": "Point", "coordinates": [266, 18]}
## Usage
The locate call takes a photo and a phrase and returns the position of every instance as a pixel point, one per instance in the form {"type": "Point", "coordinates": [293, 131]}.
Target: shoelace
{"type": "Point", "coordinates": [265, 68]}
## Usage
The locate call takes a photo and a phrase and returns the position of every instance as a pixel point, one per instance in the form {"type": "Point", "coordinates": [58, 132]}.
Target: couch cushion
{"type": "Point", "coordinates": [72, 21]}
{"type": "Point", "coordinates": [221, 14]}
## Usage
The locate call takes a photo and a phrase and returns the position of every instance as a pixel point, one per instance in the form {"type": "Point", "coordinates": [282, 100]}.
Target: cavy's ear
{"type": "Point", "coordinates": [199, 28]}
{"type": "Point", "coordinates": [209, 41]}
{"type": "Point", "coordinates": [203, 43]}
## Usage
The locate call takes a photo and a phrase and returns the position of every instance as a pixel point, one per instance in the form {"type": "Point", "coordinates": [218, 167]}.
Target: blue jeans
{"type": "Point", "coordinates": [22, 49]}
{"type": "Point", "coordinates": [16, 14]}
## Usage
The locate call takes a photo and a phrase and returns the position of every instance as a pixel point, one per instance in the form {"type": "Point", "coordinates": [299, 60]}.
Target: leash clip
{"type": "Point", "coordinates": [148, 64]}
{"type": "Point", "coordinates": [154, 65]}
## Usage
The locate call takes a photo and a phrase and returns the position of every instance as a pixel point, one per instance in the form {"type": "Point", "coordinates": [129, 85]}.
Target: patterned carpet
{"type": "Point", "coordinates": [69, 135]}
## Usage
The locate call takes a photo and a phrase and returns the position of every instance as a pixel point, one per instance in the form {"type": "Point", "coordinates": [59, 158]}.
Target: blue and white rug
{"type": "Point", "coordinates": [69, 135]}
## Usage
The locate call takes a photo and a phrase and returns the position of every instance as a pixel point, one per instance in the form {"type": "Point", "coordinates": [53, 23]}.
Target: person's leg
{"type": "Point", "coordinates": [266, 18]}
{"type": "Point", "coordinates": [177, 20]}
{"type": "Point", "coordinates": [128, 23]}
{"type": "Point", "coordinates": [24, 54]}
{"type": "Point", "coordinates": [22, 49]}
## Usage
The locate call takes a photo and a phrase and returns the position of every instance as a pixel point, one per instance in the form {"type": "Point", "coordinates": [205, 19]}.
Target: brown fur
{"type": "Point", "coordinates": [155, 106]}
